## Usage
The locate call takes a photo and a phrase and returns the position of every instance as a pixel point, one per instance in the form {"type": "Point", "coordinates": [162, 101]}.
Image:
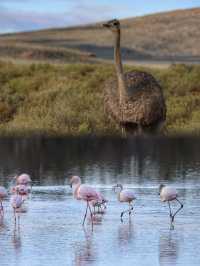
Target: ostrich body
{"type": "Point", "coordinates": [134, 99]}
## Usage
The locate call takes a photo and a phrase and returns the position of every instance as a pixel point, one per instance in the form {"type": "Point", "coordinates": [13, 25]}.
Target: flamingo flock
{"type": "Point", "coordinates": [94, 199]}
{"type": "Point", "coordinates": [19, 194]}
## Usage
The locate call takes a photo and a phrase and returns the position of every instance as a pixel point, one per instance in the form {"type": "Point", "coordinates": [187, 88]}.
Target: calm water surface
{"type": "Point", "coordinates": [51, 233]}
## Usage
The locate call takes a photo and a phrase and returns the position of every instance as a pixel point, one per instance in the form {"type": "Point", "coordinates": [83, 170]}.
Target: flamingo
{"type": "Point", "coordinates": [16, 203]}
{"type": "Point", "coordinates": [125, 195]}
{"type": "Point", "coordinates": [83, 192]}
{"type": "Point", "coordinates": [3, 194]}
{"type": "Point", "coordinates": [168, 194]}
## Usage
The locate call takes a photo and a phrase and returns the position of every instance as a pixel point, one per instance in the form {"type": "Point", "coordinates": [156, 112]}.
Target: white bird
{"type": "Point", "coordinates": [168, 194]}
{"type": "Point", "coordinates": [3, 194]}
{"type": "Point", "coordinates": [16, 203]}
{"type": "Point", "coordinates": [83, 192]}
{"type": "Point", "coordinates": [125, 195]}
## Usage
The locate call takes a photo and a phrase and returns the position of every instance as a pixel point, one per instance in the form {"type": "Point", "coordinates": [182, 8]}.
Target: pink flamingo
{"type": "Point", "coordinates": [23, 179]}
{"type": "Point", "coordinates": [125, 195]}
{"type": "Point", "coordinates": [168, 194]}
{"type": "Point", "coordinates": [16, 203]}
{"type": "Point", "coordinates": [83, 192]}
{"type": "Point", "coordinates": [3, 194]}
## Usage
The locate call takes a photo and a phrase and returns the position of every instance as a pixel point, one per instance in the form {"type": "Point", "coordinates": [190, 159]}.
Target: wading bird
{"type": "Point", "coordinates": [134, 99]}
{"type": "Point", "coordinates": [16, 203]}
{"type": "Point", "coordinates": [168, 194]}
{"type": "Point", "coordinates": [83, 192]}
{"type": "Point", "coordinates": [3, 194]}
{"type": "Point", "coordinates": [125, 195]}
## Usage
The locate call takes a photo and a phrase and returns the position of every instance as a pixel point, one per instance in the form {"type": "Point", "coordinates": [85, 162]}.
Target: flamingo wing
{"type": "Point", "coordinates": [87, 193]}
{"type": "Point", "coordinates": [127, 195]}
{"type": "Point", "coordinates": [168, 193]}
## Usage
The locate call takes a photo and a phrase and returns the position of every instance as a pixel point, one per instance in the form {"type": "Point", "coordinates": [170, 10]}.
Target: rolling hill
{"type": "Point", "coordinates": [171, 36]}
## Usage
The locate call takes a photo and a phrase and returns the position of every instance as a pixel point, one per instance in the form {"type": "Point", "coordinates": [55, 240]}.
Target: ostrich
{"type": "Point", "coordinates": [135, 99]}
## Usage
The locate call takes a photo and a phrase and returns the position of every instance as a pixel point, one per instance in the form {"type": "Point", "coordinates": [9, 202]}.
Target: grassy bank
{"type": "Point", "coordinates": [68, 100]}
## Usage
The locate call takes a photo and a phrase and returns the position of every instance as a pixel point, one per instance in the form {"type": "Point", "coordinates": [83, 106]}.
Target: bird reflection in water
{"type": "Point", "coordinates": [1, 220]}
{"type": "Point", "coordinates": [168, 248]}
{"type": "Point", "coordinates": [125, 233]}
{"type": "Point", "coordinates": [85, 252]}
{"type": "Point", "coordinates": [16, 239]}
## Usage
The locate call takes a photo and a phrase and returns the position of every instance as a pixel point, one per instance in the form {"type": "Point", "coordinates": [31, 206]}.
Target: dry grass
{"type": "Point", "coordinates": [68, 99]}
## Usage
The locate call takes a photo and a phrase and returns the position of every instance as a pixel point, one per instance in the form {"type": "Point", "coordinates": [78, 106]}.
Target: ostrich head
{"type": "Point", "coordinates": [113, 25]}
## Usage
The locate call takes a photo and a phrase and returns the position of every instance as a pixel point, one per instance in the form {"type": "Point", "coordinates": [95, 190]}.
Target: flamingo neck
{"type": "Point", "coordinates": [75, 188]}
{"type": "Point", "coordinates": [119, 67]}
{"type": "Point", "coordinates": [118, 195]}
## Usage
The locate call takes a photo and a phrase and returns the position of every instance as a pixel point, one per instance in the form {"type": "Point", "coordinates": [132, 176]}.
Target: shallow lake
{"type": "Point", "coordinates": [50, 231]}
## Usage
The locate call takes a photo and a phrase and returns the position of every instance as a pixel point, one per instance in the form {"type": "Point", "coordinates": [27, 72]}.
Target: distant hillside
{"type": "Point", "coordinates": [165, 36]}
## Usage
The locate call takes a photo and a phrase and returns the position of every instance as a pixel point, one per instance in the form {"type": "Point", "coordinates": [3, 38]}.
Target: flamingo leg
{"type": "Point", "coordinates": [181, 206]}
{"type": "Point", "coordinates": [1, 209]}
{"type": "Point", "coordinates": [104, 205]}
{"type": "Point", "coordinates": [91, 214]}
{"type": "Point", "coordinates": [100, 206]}
{"type": "Point", "coordinates": [15, 215]}
{"type": "Point", "coordinates": [18, 216]}
{"type": "Point", "coordinates": [129, 211]}
{"type": "Point", "coordinates": [85, 214]}
{"type": "Point", "coordinates": [171, 216]}
{"type": "Point", "coordinates": [130, 208]}
{"type": "Point", "coordinates": [170, 210]}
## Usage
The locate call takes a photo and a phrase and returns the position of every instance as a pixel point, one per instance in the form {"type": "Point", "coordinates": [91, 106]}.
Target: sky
{"type": "Point", "coordinates": [26, 15]}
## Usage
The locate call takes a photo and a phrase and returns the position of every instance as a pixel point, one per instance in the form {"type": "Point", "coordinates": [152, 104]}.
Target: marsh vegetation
{"type": "Point", "coordinates": [68, 99]}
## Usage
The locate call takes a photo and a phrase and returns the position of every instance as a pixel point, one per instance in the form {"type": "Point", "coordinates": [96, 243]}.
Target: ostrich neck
{"type": "Point", "coordinates": [119, 68]}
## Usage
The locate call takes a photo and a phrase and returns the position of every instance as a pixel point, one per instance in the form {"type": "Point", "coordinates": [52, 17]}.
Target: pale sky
{"type": "Point", "coordinates": [25, 15]}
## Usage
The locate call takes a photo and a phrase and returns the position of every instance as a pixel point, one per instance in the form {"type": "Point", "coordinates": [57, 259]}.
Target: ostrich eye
{"type": "Point", "coordinates": [115, 23]}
